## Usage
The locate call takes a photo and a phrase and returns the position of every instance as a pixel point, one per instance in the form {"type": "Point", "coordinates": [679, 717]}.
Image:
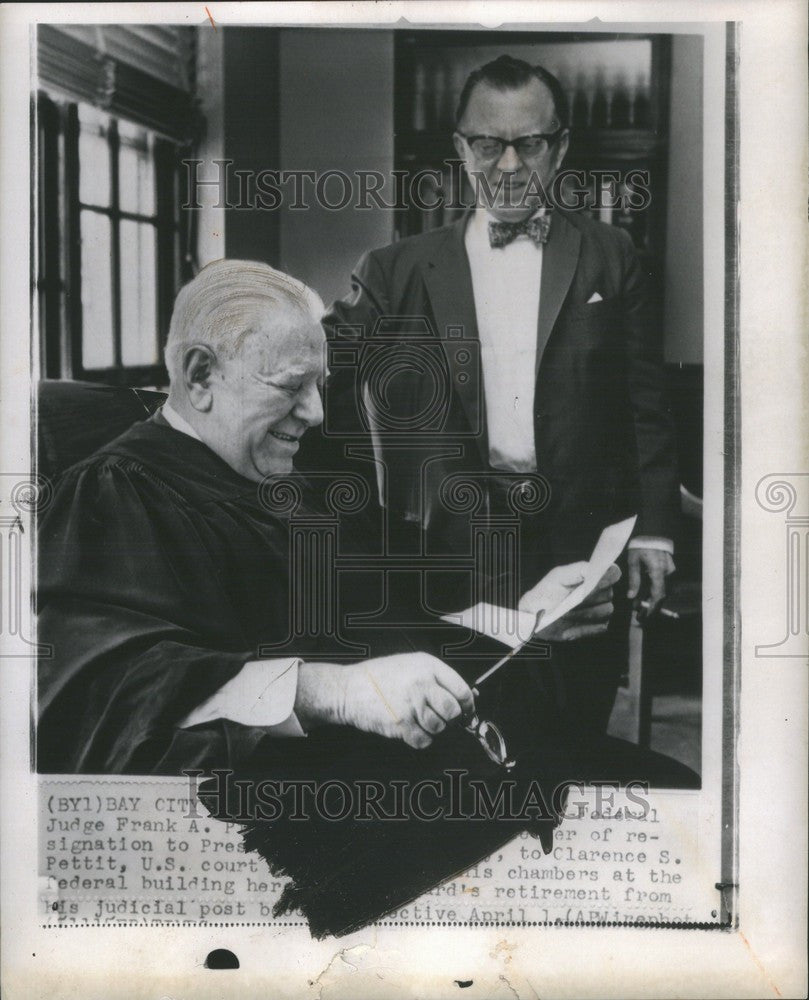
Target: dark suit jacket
{"type": "Point", "coordinates": [403, 363]}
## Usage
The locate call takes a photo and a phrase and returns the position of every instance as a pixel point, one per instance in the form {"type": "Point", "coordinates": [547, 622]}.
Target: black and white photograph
{"type": "Point", "coordinates": [377, 561]}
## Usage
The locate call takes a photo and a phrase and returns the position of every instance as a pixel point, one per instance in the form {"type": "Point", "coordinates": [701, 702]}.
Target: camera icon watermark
{"type": "Point", "coordinates": [400, 379]}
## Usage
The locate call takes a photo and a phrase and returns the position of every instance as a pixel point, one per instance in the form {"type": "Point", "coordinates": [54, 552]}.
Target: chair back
{"type": "Point", "coordinates": [74, 419]}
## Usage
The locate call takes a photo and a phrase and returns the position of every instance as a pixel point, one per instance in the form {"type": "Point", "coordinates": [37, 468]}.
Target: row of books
{"type": "Point", "coordinates": [599, 97]}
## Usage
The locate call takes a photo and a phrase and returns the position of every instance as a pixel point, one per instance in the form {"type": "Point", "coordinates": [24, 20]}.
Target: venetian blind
{"type": "Point", "coordinates": [140, 72]}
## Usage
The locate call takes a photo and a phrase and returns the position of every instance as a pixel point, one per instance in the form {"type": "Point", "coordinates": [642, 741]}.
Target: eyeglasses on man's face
{"type": "Point", "coordinates": [492, 147]}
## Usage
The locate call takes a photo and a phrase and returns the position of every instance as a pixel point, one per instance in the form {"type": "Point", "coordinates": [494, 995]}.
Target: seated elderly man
{"type": "Point", "coordinates": [161, 572]}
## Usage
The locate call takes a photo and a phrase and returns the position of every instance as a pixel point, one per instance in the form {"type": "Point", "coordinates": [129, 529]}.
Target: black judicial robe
{"type": "Point", "coordinates": [160, 574]}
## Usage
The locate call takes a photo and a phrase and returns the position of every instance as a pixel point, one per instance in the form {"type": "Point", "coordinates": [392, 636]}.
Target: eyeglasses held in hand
{"type": "Point", "coordinates": [491, 739]}
{"type": "Point", "coordinates": [487, 733]}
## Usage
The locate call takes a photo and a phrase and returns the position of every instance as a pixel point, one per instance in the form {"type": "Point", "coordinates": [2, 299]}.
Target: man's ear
{"type": "Point", "coordinates": [198, 364]}
{"type": "Point", "coordinates": [460, 146]}
{"type": "Point", "coordinates": [561, 149]}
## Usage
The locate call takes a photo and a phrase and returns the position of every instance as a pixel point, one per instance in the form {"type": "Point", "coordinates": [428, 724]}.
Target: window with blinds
{"type": "Point", "coordinates": [114, 119]}
{"type": "Point", "coordinates": [144, 73]}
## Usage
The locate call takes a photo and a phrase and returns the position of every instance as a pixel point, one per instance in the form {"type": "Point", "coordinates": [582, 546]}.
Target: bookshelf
{"type": "Point", "coordinates": [618, 91]}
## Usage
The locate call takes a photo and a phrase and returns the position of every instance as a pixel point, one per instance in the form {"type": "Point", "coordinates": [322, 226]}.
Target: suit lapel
{"type": "Point", "coordinates": [559, 259]}
{"type": "Point", "coordinates": [448, 280]}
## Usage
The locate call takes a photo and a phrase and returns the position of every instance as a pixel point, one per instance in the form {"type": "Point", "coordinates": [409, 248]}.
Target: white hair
{"type": "Point", "coordinates": [228, 300]}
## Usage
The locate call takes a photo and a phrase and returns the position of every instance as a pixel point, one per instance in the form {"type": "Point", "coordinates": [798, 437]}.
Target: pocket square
{"type": "Point", "coordinates": [595, 297]}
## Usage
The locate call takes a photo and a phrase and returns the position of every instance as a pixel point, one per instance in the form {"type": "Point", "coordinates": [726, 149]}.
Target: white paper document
{"type": "Point", "coordinates": [513, 627]}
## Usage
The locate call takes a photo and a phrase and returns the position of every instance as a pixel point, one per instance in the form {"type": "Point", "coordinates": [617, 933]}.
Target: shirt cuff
{"type": "Point", "coordinates": [262, 694]}
{"type": "Point", "coordinates": [652, 542]}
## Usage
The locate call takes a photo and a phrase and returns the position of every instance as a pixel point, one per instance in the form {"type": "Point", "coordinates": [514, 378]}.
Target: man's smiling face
{"type": "Point", "coordinates": [266, 395]}
{"type": "Point", "coordinates": [509, 114]}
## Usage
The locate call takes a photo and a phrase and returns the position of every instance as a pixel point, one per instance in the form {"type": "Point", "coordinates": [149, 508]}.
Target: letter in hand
{"type": "Point", "coordinates": [407, 696]}
{"type": "Point", "coordinates": [590, 618]}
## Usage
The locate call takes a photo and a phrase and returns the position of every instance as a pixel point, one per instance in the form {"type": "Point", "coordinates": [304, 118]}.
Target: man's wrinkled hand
{"type": "Point", "coordinates": [652, 565]}
{"type": "Point", "coordinates": [409, 696]}
{"type": "Point", "coordinates": [590, 618]}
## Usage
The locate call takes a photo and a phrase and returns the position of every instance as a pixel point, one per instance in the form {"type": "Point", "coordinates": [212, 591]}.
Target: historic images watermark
{"type": "Point", "coordinates": [426, 189]}
{"type": "Point", "coordinates": [453, 795]}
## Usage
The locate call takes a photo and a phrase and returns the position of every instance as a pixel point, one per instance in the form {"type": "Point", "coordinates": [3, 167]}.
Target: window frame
{"type": "Point", "coordinates": [58, 278]}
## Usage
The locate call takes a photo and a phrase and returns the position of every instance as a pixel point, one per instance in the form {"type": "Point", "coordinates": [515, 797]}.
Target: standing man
{"type": "Point", "coordinates": [554, 312]}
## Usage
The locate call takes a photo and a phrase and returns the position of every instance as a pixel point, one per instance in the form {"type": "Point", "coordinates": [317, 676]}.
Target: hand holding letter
{"type": "Point", "coordinates": [589, 618]}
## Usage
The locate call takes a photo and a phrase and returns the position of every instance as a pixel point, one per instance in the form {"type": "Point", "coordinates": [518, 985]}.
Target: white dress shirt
{"type": "Point", "coordinates": [263, 692]}
{"type": "Point", "coordinates": [506, 283]}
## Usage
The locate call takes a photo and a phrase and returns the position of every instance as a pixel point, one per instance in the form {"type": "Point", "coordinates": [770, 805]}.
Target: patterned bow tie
{"type": "Point", "coordinates": [537, 229]}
